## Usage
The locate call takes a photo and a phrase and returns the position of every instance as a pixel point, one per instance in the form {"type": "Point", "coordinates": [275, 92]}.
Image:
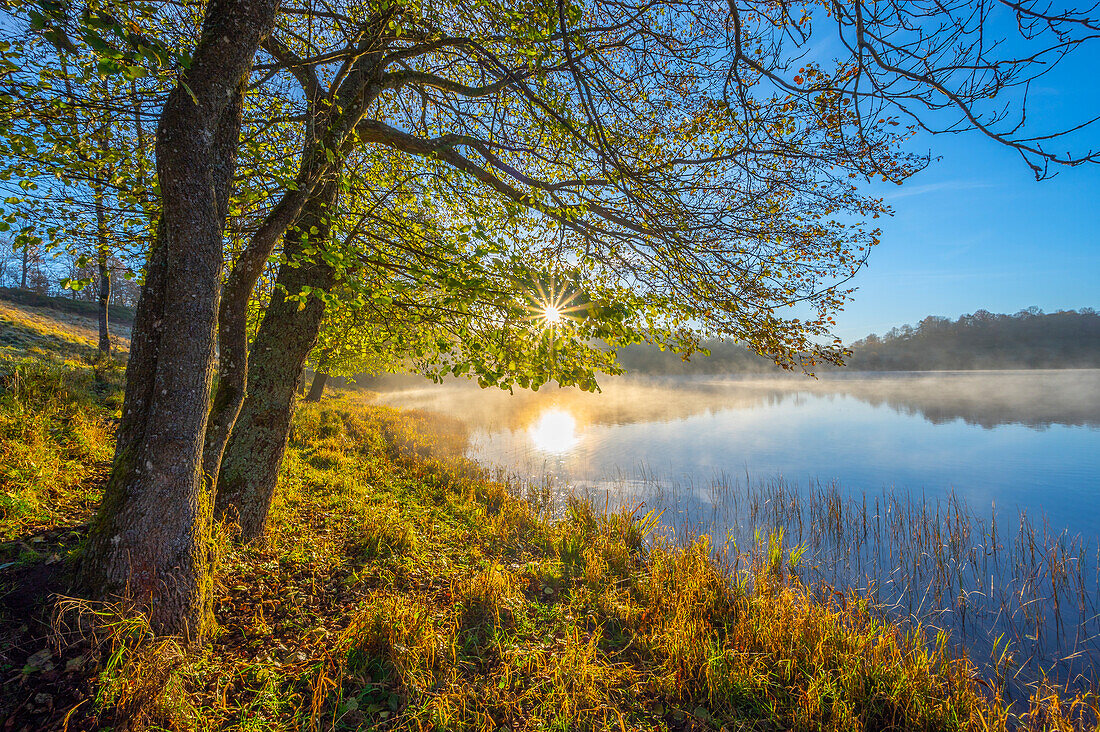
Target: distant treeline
{"type": "Point", "coordinates": [1027, 340]}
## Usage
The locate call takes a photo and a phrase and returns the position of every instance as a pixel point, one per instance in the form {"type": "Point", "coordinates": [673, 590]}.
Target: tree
{"type": "Point", "coordinates": [76, 164]}
{"type": "Point", "coordinates": [400, 283]}
{"type": "Point", "coordinates": [329, 122]}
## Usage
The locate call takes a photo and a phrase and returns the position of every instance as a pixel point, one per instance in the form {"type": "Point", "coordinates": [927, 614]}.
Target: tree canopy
{"type": "Point", "coordinates": [695, 156]}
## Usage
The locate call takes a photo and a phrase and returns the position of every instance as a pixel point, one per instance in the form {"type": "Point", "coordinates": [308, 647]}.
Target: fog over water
{"type": "Point", "coordinates": [1019, 439]}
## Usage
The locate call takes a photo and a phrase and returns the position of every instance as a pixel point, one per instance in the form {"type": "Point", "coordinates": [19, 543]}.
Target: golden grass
{"type": "Point", "coordinates": [28, 330]}
{"type": "Point", "coordinates": [138, 684]}
{"type": "Point", "coordinates": [56, 439]}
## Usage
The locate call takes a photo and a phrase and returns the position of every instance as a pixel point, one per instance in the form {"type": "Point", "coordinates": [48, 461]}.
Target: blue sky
{"type": "Point", "coordinates": [975, 230]}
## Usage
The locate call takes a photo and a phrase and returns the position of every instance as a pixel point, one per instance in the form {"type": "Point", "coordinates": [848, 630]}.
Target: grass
{"type": "Point", "coordinates": [399, 588]}
{"type": "Point", "coordinates": [1022, 598]}
{"type": "Point", "coordinates": [58, 403]}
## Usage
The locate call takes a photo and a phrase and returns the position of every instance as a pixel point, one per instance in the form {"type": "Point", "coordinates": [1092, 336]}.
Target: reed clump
{"type": "Point", "coordinates": [1021, 598]}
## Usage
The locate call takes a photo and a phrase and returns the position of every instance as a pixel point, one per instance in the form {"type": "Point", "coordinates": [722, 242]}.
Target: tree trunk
{"type": "Point", "coordinates": [317, 388]}
{"type": "Point", "coordinates": [328, 128]}
{"type": "Point", "coordinates": [26, 266]}
{"type": "Point", "coordinates": [149, 542]}
{"type": "Point", "coordinates": [287, 334]}
{"type": "Point", "coordinates": [104, 294]}
{"type": "Point", "coordinates": [233, 325]}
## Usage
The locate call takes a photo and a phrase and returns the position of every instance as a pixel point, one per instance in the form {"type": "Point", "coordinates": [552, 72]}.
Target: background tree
{"type": "Point", "coordinates": [1030, 339]}
{"type": "Point", "coordinates": [77, 164]}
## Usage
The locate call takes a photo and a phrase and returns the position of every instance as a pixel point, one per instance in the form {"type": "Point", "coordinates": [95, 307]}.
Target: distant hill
{"type": "Point", "coordinates": [1030, 339]}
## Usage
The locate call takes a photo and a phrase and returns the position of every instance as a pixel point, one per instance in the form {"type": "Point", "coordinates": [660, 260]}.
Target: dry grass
{"type": "Point", "coordinates": [137, 683]}
{"type": "Point", "coordinates": [493, 615]}
{"type": "Point", "coordinates": [57, 408]}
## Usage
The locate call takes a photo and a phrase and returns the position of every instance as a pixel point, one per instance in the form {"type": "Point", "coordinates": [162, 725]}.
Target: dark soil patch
{"type": "Point", "coordinates": [43, 681]}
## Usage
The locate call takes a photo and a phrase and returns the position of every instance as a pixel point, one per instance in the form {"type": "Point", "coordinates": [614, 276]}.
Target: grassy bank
{"type": "Point", "coordinates": [400, 589]}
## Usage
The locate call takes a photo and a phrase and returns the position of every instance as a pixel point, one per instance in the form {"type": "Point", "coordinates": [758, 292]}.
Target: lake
{"type": "Point", "coordinates": [1012, 456]}
{"type": "Point", "coordinates": [1020, 439]}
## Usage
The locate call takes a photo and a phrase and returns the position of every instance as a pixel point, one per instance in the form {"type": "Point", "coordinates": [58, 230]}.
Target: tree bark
{"type": "Point", "coordinates": [286, 335]}
{"type": "Point", "coordinates": [149, 542]}
{"type": "Point", "coordinates": [233, 331]}
{"type": "Point", "coordinates": [317, 388]}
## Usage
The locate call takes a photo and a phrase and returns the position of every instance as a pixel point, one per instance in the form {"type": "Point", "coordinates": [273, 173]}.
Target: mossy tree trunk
{"type": "Point", "coordinates": [331, 121]}
{"type": "Point", "coordinates": [150, 540]}
{"type": "Point", "coordinates": [287, 334]}
{"type": "Point", "coordinates": [233, 326]}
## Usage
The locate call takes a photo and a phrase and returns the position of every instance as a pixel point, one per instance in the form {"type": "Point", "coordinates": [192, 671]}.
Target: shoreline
{"type": "Point", "coordinates": [399, 588]}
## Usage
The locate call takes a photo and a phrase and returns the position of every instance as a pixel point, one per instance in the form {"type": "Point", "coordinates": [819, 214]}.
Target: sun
{"type": "Point", "coordinates": [551, 314]}
{"type": "Point", "coordinates": [555, 431]}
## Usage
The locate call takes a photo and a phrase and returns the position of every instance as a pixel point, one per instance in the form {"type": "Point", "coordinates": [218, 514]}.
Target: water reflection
{"type": "Point", "coordinates": [555, 431]}
{"type": "Point", "coordinates": [1025, 440]}
{"type": "Point", "coordinates": [1035, 399]}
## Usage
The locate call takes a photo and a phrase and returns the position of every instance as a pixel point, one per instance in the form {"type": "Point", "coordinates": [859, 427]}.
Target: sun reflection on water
{"type": "Point", "coordinates": [555, 431]}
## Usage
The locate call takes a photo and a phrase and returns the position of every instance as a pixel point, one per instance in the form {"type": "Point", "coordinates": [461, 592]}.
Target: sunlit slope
{"type": "Point", "coordinates": [58, 403]}
{"type": "Point", "coordinates": [31, 324]}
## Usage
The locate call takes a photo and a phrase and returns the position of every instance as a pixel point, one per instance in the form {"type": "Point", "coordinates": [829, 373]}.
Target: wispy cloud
{"type": "Point", "coordinates": [942, 186]}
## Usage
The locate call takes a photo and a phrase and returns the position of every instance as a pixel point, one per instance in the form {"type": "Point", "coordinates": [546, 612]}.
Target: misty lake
{"type": "Point", "coordinates": [1017, 440]}
{"type": "Point", "coordinates": [969, 501]}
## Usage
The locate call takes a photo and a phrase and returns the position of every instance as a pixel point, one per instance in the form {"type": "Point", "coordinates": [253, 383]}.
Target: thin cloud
{"type": "Point", "coordinates": [947, 185]}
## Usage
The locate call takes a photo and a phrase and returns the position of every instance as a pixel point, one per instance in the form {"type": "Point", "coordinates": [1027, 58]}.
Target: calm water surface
{"type": "Point", "coordinates": [1018, 440]}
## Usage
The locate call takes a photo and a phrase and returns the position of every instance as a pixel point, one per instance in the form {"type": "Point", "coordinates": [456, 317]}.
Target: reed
{"type": "Point", "coordinates": [1023, 600]}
